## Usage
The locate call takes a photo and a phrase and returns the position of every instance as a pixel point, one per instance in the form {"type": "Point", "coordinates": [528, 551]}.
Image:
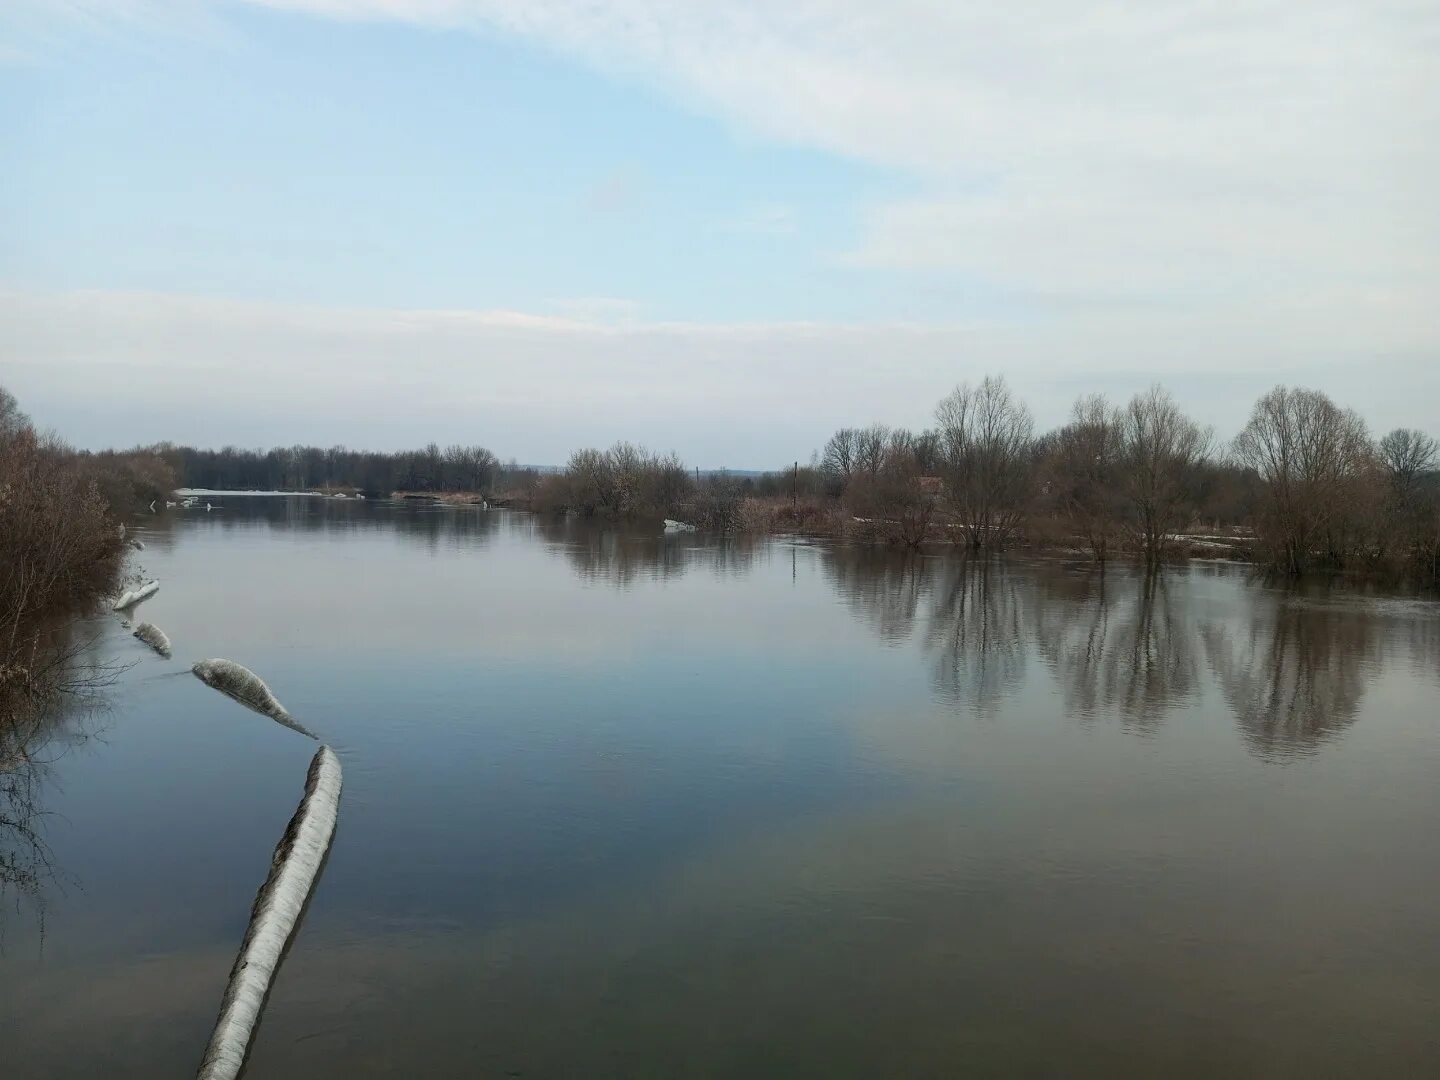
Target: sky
{"type": "Point", "coordinates": [719, 228]}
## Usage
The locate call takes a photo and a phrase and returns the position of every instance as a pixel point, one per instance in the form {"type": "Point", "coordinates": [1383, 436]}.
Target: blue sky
{"type": "Point", "coordinates": [713, 228]}
{"type": "Point", "coordinates": [294, 159]}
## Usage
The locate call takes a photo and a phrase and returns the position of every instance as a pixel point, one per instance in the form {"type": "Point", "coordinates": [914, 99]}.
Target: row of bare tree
{"type": "Point", "coordinates": [305, 468]}
{"type": "Point", "coordinates": [1304, 475]}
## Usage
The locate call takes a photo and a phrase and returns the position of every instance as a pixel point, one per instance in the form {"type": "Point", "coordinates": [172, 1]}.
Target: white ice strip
{"type": "Point", "coordinates": [246, 687]}
{"type": "Point", "coordinates": [130, 597]}
{"type": "Point", "coordinates": [274, 917]}
{"type": "Point", "coordinates": [153, 636]}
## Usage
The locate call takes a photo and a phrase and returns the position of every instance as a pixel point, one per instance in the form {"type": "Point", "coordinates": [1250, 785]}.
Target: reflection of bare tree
{"type": "Point", "coordinates": [974, 631]}
{"type": "Point", "coordinates": [46, 695]}
{"type": "Point", "coordinates": [1296, 679]}
{"type": "Point", "coordinates": [1072, 628]}
{"type": "Point", "coordinates": [1154, 663]}
{"type": "Point", "coordinates": [425, 521]}
{"type": "Point", "coordinates": [883, 588]}
{"type": "Point", "coordinates": [1424, 638]}
{"type": "Point", "coordinates": [1119, 643]}
{"type": "Point", "coordinates": [618, 555]}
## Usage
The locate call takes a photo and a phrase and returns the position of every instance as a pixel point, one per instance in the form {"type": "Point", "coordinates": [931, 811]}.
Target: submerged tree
{"type": "Point", "coordinates": [1312, 458]}
{"type": "Point", "coordinates": [1084, 474]}
{"type": "Point", "coordinates": [899, 500]}
{"type": "Point", "coordinates": [985, 443]}
{"type": "Point", "coordinates": [1160, 450]}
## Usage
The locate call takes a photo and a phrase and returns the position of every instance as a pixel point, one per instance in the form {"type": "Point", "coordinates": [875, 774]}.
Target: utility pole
{"type": "Point", "coordinates": [795, 486]}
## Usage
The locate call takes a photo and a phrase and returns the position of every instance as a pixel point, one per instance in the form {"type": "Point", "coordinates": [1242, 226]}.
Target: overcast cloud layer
{"type": "Point", "coordinates": [115, 368]}
{"type": "Point", "coordinates": [1221, 196]}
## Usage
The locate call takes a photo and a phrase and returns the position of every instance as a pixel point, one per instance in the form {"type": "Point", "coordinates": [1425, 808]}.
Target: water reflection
{"type": "Point", "coordinates": [1118, 643]}
{"type": "Point", "coordinates": [39, 724]}
{"type": "Point", "coordinates": [887, 592]}
{"type": "Point", "coordinates": [1295, 673]}
{"type": "Point", "coordinates": [621, 557]}
{"type": "Point", "coordinates": [1292, 668]}
{"type": "Point", "coordinates": [607, 783]}
{"type": "Point", "coordinates": [422, 522]}
{"type": "Point", "coordinates": [975, 631]}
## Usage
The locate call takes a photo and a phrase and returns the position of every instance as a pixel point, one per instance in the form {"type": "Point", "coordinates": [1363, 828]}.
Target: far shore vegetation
{"type": "Point", "coordinates": [1303, 487]}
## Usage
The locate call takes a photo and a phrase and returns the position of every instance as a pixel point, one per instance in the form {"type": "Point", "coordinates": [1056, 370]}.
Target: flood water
{"type": "Point", "coordinates": [619, 804]}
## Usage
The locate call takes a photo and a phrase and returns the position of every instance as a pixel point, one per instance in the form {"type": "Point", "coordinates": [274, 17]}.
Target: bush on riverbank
{"type": "Point", "coordinates": [61, 542]}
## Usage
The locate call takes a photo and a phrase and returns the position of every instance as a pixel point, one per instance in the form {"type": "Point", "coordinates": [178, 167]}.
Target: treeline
{"type": "Point", "coordinates": [1304, 486]}
{"type": "Point", "coordinates": [628, 481]}
{"type": "Point", "coordinates": [1304, 477]}
{"type": "Point", "coordinates": [61, 540]}
{"type": "Point", "coordinates": [313, 468]}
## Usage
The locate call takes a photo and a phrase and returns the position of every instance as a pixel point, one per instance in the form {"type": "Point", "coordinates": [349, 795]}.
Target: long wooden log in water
{"type": "Point", "coordinates": [130, 597]}
{"type": "Point", "coordinates": [153, 636]}
{"type": "Point", "coordinates": [273, 919]}
{"type": "Point", "coordinates": [242, 684]}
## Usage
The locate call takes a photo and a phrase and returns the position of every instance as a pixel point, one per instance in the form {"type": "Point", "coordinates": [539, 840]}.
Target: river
{"type": "Point", "coordinates": [623, 804]}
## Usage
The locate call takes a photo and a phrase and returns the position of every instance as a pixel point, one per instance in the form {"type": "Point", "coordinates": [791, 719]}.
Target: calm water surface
{"type": "Point", "coordinates": [626, 805]}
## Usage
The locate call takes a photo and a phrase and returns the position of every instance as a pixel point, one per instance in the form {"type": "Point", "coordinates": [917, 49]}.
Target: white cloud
{"type": "Point", "coordinates": [597, 309]}
{"type": "Point", "coordinates": [120, 368]}
{"type": "Point", "coordinates": [1069, 148]}
{"type": "Point", "coordinates": [1223, 194]}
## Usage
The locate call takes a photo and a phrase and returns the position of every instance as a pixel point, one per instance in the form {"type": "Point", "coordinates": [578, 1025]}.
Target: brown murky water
{"type": "Point", "coordinates": [628, 805]}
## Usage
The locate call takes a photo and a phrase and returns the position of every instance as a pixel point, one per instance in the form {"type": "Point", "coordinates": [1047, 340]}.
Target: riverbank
{"type": "Point", "coordinates": [63, 548]}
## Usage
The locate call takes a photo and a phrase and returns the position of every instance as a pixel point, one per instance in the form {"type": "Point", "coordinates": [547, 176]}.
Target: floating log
{"type": "Point", "coordinates": [153, 636]}
{"type": "Point", "coordinates": [130, 597]}
{"type": "Point", "coordinates": [246, 687]}
{"type": "Point", "coordinates": [274, 917]}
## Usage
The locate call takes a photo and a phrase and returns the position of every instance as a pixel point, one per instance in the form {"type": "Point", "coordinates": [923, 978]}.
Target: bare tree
{"type": "Point", "coordinates": [59, 547]}
{"type": "Point", "coordinates": [1160, 450]}
{"type": "Point", "coordinates": [624, 481]}
{"type": "Point", "coordinates": [1407, 455]}
{"type": "Point", "coordinates": [1085, 460]}
{"type": "Point", "coordinates": [1409, 459]}
{"type": "Point", "coordinates": [12, 420]}
{"type": "Point", "coordinates": [872, 445]}
{"type": "Point", "coordinates": [985, 441]}
{"type": "Point", "coordinates": [1311, 456]}
{"type": "Point", "coordinates": [837, 460]}
{"type": "Point", "coordinates": [469, 468]}
{"type": "Point", "coordinates": [899, 500]}
{"type": "Point", "coordinates": [587, 481]}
